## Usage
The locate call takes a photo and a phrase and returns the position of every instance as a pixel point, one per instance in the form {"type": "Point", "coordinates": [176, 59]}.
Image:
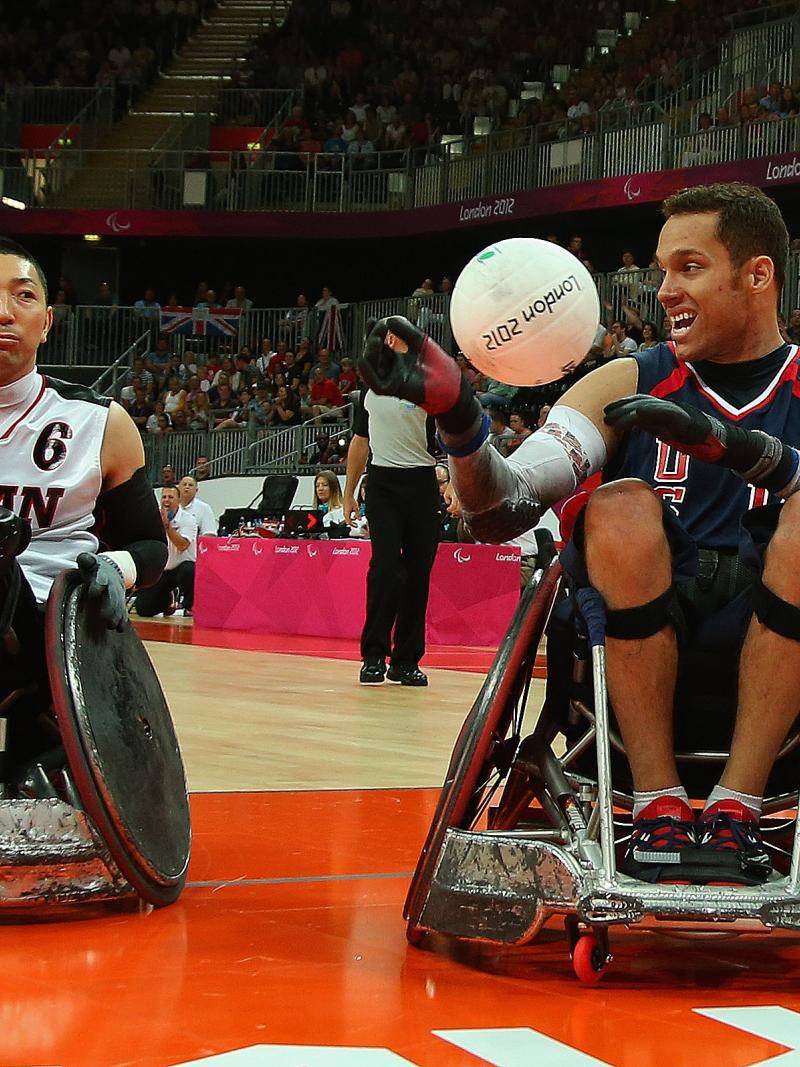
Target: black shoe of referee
{"type": "Point", "coordinates": [406, 674]}
{"type": "Point", "coordinates": [373, 672]}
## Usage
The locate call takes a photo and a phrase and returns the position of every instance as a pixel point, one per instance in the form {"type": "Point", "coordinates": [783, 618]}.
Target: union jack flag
{"type": "Point", "coordinates": [201, 321]}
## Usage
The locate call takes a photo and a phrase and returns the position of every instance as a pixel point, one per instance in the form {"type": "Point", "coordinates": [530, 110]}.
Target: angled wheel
{"type": "Point", "coordinates": [120, 742]}
{"type": "Point", "coordinates": [489, 738]}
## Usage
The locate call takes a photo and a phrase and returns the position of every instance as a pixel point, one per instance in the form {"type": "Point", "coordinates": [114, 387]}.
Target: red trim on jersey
{"type": "Point", "coordinates": [671, 384]}
{"type": "Point", "coordinates": [789, 374]}
{"type": "Point", "coordinates": [25, 414]}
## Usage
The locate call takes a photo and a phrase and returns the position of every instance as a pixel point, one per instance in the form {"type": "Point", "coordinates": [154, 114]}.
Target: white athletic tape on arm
{"type": "Point", "coordinates": [555, 459]}
{"type": "Point", "coordinates": [125, 564]}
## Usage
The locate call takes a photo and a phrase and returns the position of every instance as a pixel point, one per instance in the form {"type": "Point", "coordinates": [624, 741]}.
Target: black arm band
{"type": "Point", "coordinates": [128, 518]}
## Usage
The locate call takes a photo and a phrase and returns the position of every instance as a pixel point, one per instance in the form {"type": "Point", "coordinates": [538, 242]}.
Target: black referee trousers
{"type": "Point", "coordinates": [402, 507]}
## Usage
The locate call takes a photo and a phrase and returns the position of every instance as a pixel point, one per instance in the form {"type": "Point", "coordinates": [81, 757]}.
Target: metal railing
{"type": "Point", "coordinates": [264, 108]}
{"type": "Point", "coordinates": [496, 166]}
{"type": "Point", "coordinates": [94, 336]}
{"type": "Point", "coordinates": [46, 105]}
{"type": "Point", "coordinates": [110, 382]}
{"type": "Point", "coordinates": [239, 452]}
{"type": "Point", "coordinates": [750, 56]}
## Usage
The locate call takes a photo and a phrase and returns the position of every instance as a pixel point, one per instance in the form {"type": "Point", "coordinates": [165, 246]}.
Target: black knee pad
{"type": "Point", "coordinates": [774, 613]}
{"type": "Point", "coordinates": [644, 620]}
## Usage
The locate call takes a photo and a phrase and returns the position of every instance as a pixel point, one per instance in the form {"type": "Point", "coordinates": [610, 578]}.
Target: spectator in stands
{"type": "Point", "coordinates": [147, 307]}
{"type": "Point", "coordinates": [520, 427]}
{"type": "Point", "coordinates": [493, 393]}
{"type": "Point", "coordinates": [240, 299]}
{"type": "Point", "coordinates": [154, 423]}
{"type": "Point", "coordinates": [240, 416]}
{"type": "Point", "coordinates": [244, 373]}
{"type": "Point", "coordinates": [202, 469]}
{"type": "Point", "coordinates": [621, 343]}
{"type": "Point", "coordinates": [650, 336]}
{"type": "Point", "coordinates": [265, 356]}
{"type": "Point", "coordinates": [326, 398]}
{"type": "Point", "coordinates": [222, 398]}
{"type": "Point", "coordinates": [199, 416]}
{"type": "Point", "coordinates": [348, 378]}
{"type": "Point", "coordinates": [175, 396]}
{"type": "Point", "coordinates": [541, 419]}
{"type": "Point", "coordinates": [159, 357]}
{"type": "Point", "coordinates": [168, 477]}
{"type": "Point", "coordinates": [330, 369]}
{"type": "Point", "coordinates": [192, 504]}
{"type": "Point", "coordinates": [104, 297]}
{"type": "Point", "coordinates": [467, 369]}
{"type": "Point", "coordinates": [627, 279]}
{"type": "Point", "coordinates": [294, 323]}
{"type": "Point", "coordinates": [499, 430]}
{"type": "Point", "coordinates": [328, 498]}
{"type": "Point", "coordinates": [181, 528]}
{"type": "Point", "coordinates": [140, 409]}
{"type": "Point", "coordinates": [285, 409]}
{"type": "Point", "coordinates": [793, 326]}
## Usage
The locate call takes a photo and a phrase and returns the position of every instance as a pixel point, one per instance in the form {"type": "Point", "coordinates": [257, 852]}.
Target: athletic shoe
{"type": "Point", "coordinates": [406, 674]}
{"type": "Point", "coordinates": [728, 835]}
{"type": "Point", "coordinates": [373, 672]}
{"type": "Point", "coordinates": [662, 844]}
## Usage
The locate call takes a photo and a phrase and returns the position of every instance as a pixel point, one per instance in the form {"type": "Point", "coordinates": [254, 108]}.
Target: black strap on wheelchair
{"type": "Point", "coordinates": [774, 613]}
{"type": "Point", "coordinates": [644, 620]}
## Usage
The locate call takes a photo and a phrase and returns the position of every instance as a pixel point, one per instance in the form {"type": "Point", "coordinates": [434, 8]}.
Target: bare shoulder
{"type": "Point", "coordinates": [123, 452]}
{"type": "Point", "coordinates": [618, 378]}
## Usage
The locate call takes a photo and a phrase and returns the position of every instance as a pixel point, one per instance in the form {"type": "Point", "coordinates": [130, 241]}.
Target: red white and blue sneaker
{"type": "Point", "coordinates": [729, 839]}
{"type": "Point", "coordinates": [662, 846]}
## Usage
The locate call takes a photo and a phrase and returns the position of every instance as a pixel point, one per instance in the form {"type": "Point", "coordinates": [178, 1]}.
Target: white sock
{"type": "Point", "coordinates": [719, 792]}
{"type": "Point", "coordinates": [642, 799]}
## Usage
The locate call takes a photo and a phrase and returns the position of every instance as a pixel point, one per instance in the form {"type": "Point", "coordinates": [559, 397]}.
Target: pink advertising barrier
{"type": "Point", "coordinates": [318, 588]}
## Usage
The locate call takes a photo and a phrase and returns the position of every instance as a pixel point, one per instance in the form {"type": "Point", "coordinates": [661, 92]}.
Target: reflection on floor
{"type": "Point", "coordinates": [289, 934]}
{"type": "Point", "coordinates": [311, 798]}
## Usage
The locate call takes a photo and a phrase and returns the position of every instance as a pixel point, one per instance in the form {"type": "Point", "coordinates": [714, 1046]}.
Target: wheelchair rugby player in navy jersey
{"type": "Point", "coordinates": [695, 529]}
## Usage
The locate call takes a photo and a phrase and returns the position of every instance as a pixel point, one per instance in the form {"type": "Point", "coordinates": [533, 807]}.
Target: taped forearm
{"type": "Point", "coordinates": [502, 498]}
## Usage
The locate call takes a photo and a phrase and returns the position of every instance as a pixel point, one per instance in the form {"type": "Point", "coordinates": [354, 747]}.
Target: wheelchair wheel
{"type": "Point", "coordinates": [120, 742]}
{"type": "Point", "coordinates": [489, 738]}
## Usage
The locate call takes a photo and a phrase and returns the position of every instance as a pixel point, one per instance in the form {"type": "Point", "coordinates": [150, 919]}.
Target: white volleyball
{"type": "Point", "coordinates": [525, 311]}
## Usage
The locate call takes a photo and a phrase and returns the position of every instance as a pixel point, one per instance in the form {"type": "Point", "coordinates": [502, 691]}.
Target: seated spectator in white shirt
{"type": "Point", "coordinates": [191, 503]}
{"type": "Point", "coordinates": [181, 530]}
{"type": "Point", "coordinates": [328, 497]}
{"type": "Point", "coordinates": [621, 344]}
{"type": "Point", "coordinates": [499, 430]}
{"type": "Point", "coordinates": [240, 299]}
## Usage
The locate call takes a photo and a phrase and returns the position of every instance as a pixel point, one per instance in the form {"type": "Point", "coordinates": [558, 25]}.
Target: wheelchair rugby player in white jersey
{"type": "Point", "coordinates": [88, 747]}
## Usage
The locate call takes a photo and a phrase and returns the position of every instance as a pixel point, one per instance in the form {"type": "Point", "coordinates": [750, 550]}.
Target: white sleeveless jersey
{"type": "Point", "coordinates": [51, 434]}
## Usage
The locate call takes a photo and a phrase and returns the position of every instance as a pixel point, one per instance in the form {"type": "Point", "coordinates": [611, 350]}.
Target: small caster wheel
{"type": "Point", "coordinates": [589, 960]}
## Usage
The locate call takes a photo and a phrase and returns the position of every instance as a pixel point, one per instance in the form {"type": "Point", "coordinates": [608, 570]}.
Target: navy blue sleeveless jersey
{"type": "Point", "coordinates": [708, 499]}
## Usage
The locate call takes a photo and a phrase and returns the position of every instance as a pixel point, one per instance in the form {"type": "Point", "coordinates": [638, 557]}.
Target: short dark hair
{"type": "Point", "coordinates": [11, 248]}
{"type": "Point", "coordinates": [749, 224]}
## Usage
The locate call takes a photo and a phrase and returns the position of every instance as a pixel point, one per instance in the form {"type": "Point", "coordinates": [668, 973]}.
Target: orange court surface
{"type": "Point", "coordinates": [310, 800]}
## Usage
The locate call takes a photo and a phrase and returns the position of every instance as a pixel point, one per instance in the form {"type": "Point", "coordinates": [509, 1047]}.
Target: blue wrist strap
{"type": "Point", "coordinates": [471, 446]}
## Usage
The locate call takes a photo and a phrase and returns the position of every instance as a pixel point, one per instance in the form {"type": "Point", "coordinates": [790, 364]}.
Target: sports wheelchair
{"type": "Point", "coordinates": [93, 802]}
{"type": "Point", "coordinates": [533, 818]}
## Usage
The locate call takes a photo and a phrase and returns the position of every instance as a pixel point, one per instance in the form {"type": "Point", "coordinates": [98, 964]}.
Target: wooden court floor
{"type": "Point", "coordinates": [310, 799]}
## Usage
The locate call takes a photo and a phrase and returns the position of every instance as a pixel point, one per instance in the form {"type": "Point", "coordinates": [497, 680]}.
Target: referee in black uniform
{"type": "Point", "coordinates": [402, 506]}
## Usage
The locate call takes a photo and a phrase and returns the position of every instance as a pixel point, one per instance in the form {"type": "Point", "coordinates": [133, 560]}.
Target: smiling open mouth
{"type": "Point", "coordinates": [681, 325]}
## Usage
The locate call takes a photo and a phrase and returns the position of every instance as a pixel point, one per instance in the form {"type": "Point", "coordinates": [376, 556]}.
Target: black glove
{"type": "Point", "coordinates": [753, 455]}
{"type": "Point", "coordinates": [105, 588]}
{"type": "Point", "coordinates": [425, 374]}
